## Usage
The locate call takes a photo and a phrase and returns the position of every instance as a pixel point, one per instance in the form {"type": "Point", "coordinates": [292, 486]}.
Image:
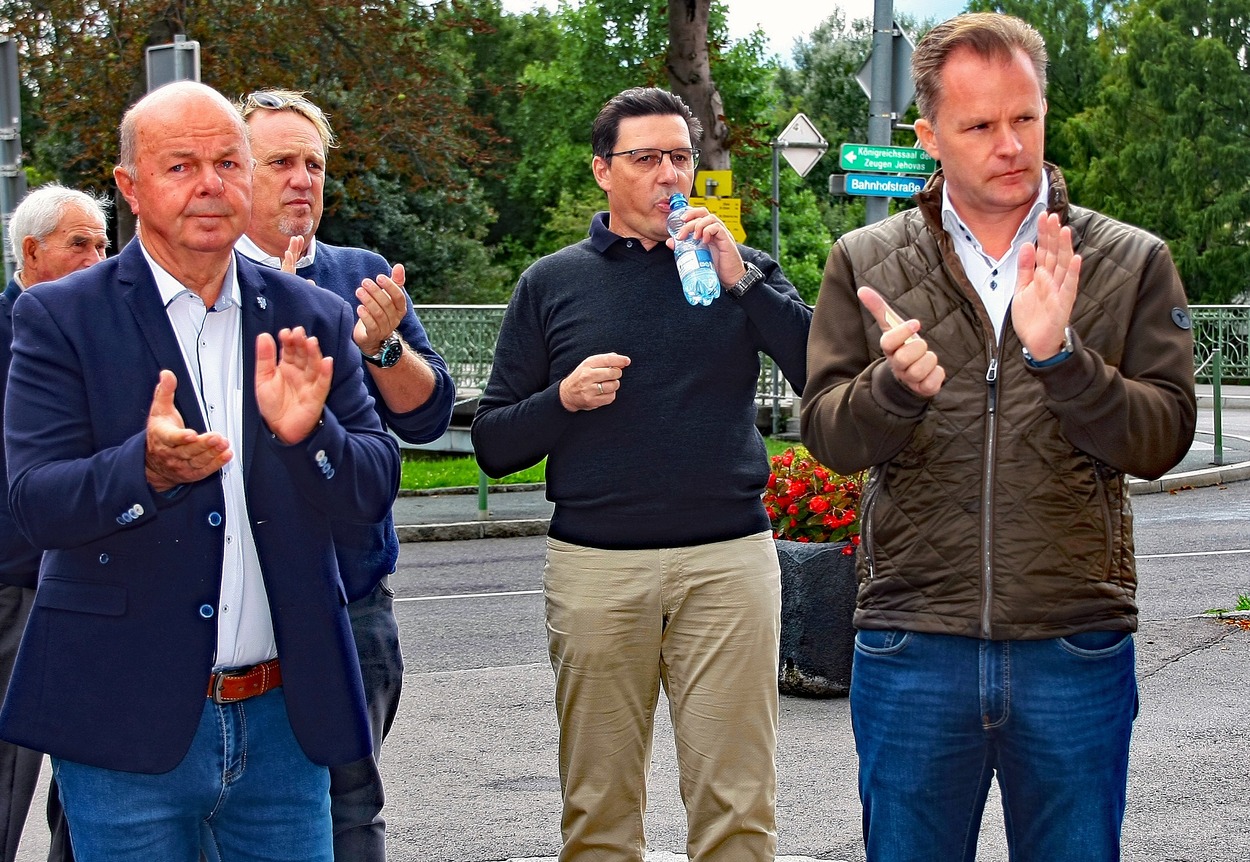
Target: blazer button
{"type": "Point", "coordinates": [104, 559]}
{"type": "Point", "coordinates": [206, 611]}
{"type": "Point", "coordinates": [214, 519]}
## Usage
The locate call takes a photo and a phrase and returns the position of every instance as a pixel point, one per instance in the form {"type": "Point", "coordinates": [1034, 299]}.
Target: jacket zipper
{"type": "Point", "coordinates": [987, 494]}
{"type": "Point", "coordinates": [865, 520]}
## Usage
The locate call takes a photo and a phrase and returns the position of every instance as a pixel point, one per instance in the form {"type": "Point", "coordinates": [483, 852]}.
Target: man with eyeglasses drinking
{"type": "Point", "coordinates": [661, 568]}
{"type": "Point", "coordinates": [413, 395]}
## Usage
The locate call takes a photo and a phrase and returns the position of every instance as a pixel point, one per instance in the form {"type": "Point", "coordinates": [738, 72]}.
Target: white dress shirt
{"type": "Point", "coordinates": [252, 251]}
{"type": "Point", "coordinates": [212, 345]}
{"type": "Point", "coordinates": [994, 280]}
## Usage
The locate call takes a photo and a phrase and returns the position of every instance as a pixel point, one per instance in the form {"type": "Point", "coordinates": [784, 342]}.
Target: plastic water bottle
{"type": "Point", "coordinates": [699, 280]}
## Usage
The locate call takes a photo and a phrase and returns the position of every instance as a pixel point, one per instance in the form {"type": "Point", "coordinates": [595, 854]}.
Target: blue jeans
{"type": "Point", "coordinates": [244, 791]}
{"type": "Point", "coordinates": [936, 717]}
{"type": "Point", "coordinates": [356, 794]}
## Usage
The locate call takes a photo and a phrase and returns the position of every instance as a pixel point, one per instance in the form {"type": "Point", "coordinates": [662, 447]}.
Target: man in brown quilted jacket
{"type": "Point", "coordinates": [1003, 360]}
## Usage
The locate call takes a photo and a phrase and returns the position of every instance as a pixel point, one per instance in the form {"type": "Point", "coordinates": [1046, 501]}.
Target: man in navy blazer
{"type": "Point", "coordinates": [179, 440]}
{"type": "Point", "coordinates": [412, 391]}
{"type": "Point", "coordinates": [54, 231]}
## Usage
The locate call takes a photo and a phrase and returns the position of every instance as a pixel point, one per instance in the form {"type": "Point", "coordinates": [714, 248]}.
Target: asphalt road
{"type": "Point", "coordinates": [471, 767]}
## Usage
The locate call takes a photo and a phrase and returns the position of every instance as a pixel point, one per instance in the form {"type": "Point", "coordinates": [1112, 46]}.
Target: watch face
{"type": "Point", "coordinates": [390, 353]}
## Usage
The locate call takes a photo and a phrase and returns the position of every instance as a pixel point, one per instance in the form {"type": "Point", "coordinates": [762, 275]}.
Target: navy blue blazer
{"type": "Point", "coordinates": [114, 665]}
{"type": "Point", "coordinates": [368, 553]}
{"type": "Point", "coordinates": [19, 559]}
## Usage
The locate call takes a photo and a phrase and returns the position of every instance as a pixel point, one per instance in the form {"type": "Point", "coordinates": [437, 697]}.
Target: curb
{"type": "Point", "coordinates": [1204, 478]}
{"type": "Point", "coordinates": [463, 530]}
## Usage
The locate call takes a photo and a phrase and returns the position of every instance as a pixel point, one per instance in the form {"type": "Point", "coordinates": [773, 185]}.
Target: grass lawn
{"type": "Point", "coordinates": [430, 470]}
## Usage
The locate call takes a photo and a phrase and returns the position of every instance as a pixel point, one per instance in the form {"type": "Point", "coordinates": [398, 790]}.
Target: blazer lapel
{"type": "Point", "coordinates": [139, 291]}
{"type": "Point", "coordinates": [257, 315]}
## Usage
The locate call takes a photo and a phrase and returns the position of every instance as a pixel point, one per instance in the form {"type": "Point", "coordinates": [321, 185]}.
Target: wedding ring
{"type": "Point", "coordinates": [600, 385]}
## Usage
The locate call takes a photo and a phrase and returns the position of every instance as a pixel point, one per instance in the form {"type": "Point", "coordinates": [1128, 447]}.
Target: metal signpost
{"type": "Point", "coordinates": [174, 61]}
{"type": "Point", "coordinates": [802, 145]}
{"type": "Point", "coordinates": [886, 79]}
{"type": "Point", "coordinates": [12, 177]}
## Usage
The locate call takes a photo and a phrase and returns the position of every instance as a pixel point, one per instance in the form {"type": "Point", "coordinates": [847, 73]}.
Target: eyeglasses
{"type": "Point", "coordinates": [684, 159]}
{"type": "Point", "coordinates": [278, 101]}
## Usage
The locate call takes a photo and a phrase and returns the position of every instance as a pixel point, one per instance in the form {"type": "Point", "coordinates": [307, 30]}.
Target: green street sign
{"type": "Point", "coordinates": [886, 160]}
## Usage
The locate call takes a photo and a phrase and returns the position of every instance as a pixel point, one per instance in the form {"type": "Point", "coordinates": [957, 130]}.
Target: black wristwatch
{"type": "Point", "coordinates": [749, 279]}
{"type": "Point", "coordinates": [388, 352]}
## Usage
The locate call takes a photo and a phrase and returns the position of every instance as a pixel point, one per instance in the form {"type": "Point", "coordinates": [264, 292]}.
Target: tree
{"type": "Point", "coordinates": [690, 74]}
{"type": "Point", "coordinates": [398, 106]}
{"type": "Point", "coordinates": [1165, 146]}
{"type": "Point", "coordinates": [1079, 57]}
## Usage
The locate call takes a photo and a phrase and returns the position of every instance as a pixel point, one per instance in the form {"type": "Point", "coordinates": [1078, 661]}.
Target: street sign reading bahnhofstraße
{"type": "Point", "coordinates": [881, 186]}
{"type": "Point", "coordinates": [887, 160]}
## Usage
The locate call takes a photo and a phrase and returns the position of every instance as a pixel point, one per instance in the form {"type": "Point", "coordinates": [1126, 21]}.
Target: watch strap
{"type": "Point", "coordinates": [1064, 352]}
{"type": "Point", "coordinates": [750, 278]}
{"type": "Point", "coordinates": [388, 352]}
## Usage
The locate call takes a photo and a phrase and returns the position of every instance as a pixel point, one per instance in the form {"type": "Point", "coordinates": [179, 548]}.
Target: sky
{"type": "Point", "coordinates": [783, 21]}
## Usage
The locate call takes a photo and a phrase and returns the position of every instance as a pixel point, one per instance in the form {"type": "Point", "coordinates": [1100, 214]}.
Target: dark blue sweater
{"type": "Point", "coordinates": [676, 459]}
{"type": "Point", "coordinates": [367, 553]}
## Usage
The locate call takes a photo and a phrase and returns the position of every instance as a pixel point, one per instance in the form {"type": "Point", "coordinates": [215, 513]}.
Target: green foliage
{"type": "Point", "coordinates": [465, 129]}
{"type": "Point", "coordinates": [1164, 146]}
{"type": "Point", "coordinates": [1078, 58]}
{"type": "Point", "coordinates": [409, 145]}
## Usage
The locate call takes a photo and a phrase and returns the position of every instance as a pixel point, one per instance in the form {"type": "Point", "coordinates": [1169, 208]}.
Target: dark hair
{"type": "Point", "coordinates": [989, 34]}
{"type": "Point", "coordinates": [639, 102]}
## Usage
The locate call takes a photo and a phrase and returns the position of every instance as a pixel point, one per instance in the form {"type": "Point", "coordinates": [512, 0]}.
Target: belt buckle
{"type": "Point", "coordinates": [218, 681]}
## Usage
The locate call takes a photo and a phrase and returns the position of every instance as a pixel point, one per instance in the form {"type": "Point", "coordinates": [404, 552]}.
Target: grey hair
{"type": "Point", "coordinates": [41, 211]}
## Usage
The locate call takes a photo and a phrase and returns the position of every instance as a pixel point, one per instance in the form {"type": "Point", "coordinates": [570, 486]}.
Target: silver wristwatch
{"type": "Point", "coordinates": [388, 353]}
{"type": "Point", "coordinates": [749, 279]}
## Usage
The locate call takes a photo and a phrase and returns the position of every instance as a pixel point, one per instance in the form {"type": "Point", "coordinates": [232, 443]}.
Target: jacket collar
{"type": "Point", "coordinates": [929, 199]}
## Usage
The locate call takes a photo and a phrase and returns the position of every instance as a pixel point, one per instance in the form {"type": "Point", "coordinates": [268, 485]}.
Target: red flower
{"type": "Point", "coordinates": [806, 502]}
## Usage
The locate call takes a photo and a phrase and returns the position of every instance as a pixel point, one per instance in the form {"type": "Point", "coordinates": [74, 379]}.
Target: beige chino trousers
{"type": "Point", "coordinates": [702, 621]}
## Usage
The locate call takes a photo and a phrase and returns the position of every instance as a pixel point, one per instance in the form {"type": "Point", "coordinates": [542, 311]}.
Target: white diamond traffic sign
{"type": "Point", "coordinates": [802, 145]}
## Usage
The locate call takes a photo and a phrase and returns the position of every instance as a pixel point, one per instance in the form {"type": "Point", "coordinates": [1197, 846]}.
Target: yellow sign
{"type": "Point", "coordinates": [729, 210]}
{"type": "Point", "coordinates": [713, 184]}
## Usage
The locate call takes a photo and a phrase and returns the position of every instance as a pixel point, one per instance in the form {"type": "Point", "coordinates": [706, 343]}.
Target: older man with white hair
{"type": "Point", "coordinates": [54, 231]}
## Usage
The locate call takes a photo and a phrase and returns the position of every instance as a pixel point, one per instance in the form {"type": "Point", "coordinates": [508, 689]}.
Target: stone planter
{"type": "Point", "coordinates": [817, 605]}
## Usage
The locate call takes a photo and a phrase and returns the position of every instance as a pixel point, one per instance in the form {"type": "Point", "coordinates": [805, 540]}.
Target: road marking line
{"type": "Point", "coordinates": [1193, 554]}
{"type": "Point", "coordinates": [470, 596]}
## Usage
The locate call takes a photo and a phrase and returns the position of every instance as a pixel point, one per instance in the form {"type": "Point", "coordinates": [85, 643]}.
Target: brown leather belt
{"type": "Point", "coordinates": [235, 685]}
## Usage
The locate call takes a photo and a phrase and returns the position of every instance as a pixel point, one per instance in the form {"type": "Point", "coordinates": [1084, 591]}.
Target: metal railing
{"type": "Point", "coordinates": [1228, 328]}
{"type": "Point", "coordinates": [465, 336]}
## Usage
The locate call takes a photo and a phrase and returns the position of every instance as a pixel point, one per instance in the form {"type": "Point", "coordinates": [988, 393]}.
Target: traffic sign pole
{"type": "Point", "coordinates": [880, 112]}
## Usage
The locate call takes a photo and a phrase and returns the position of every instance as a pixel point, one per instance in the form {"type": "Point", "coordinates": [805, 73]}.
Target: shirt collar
{"type": "Point", "coordinates": [601, 236]}
{"type": "Point", "coordinates": [252, 251]}
{"type": "Point", "coordinates": [171, 288]}
{"type": "Point", "coordinates": [1027, 232]}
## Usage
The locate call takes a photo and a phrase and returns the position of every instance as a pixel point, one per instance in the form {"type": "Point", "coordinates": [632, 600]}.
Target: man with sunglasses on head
{"type": "Point", "coordinates": [413, 394]}
{"type": "Point", "coordinates": [661, 568]}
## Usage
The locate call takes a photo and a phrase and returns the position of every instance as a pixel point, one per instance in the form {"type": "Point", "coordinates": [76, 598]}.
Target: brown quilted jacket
{"type": "Point", "coordinates": [999, 509]}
